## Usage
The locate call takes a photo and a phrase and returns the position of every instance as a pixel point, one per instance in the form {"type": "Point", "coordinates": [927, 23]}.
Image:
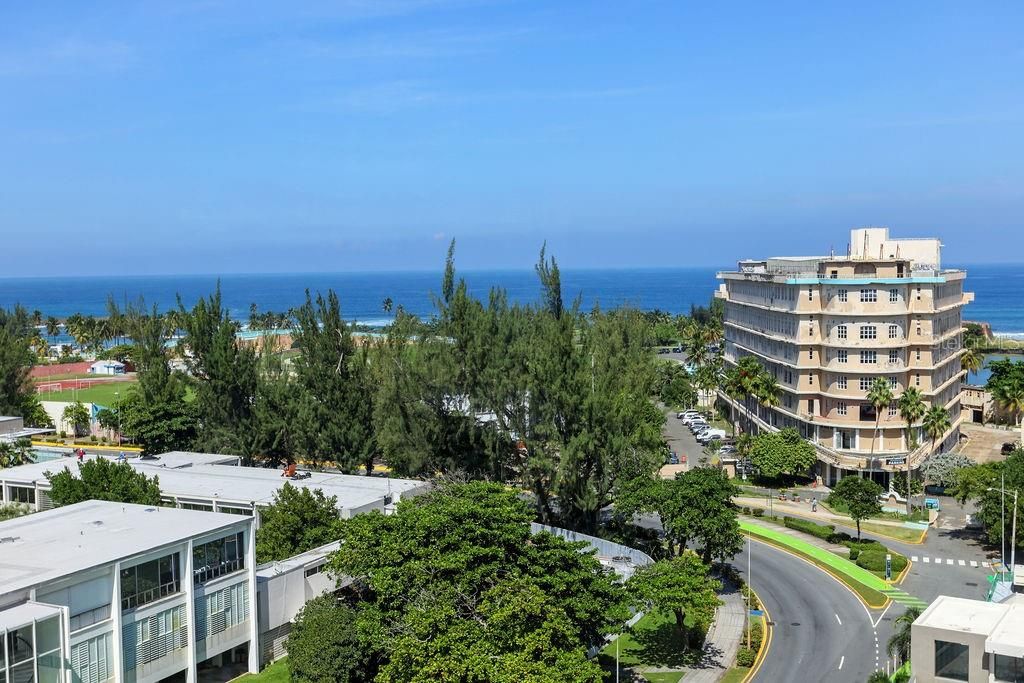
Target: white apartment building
{"type": "Point", "coordinates": [103, 591]}
{"type": "Point", "coordinates": [827, 326]}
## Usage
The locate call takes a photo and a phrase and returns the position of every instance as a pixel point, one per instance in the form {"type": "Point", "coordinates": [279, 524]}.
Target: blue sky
{"type": "Point", "coordinates": [210, 136]}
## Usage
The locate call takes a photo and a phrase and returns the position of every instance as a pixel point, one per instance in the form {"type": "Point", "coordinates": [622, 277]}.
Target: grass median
{"type": "Point", "coordinates": [865, 584]}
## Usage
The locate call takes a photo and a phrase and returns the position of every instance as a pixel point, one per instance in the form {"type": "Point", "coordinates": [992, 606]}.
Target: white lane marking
{"type": "Point", "coordinates": [837, 619]}
{"type": "Point", "coordinates": [949, 561]}
{"type": "Point", "coordinates": [974, 563]}
{"type": "Point", "coordinates": [927, 560]}
{"type": "Point", "coordinates": [841, 660]}
{"type": "Point", "coordinates": [961, 563]}
{"type": "Point", "coordinates": [913, 558]}
{"type": "Point", "coordinates": [875, 623]}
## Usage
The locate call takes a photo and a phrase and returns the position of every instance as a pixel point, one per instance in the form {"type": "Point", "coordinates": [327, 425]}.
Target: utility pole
{"type": "Point", "coordinates": [1013, 541]}
{"type": "Point", "coordinates": [1002, 526]}
{"type": "Point", "coordinates": [749, 589]}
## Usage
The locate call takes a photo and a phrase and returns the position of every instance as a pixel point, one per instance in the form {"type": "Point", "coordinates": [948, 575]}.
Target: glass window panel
{"type": "Point", "coordinates": [48, 634]}
{"type": "Point", "coordinates": [50, 668]}
{"type": "Point", "coordinates": [20, 644]}
{"type": "Point", "coordinates": [1009, 669]}
{"type": "Point", "coordinates": [23, 673]}
{"type": "Point", "coordinates": [951, 660]}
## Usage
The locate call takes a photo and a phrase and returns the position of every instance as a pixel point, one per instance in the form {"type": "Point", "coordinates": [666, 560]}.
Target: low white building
{"type": "Point", "coordinates": [217, 483]}
{"type": "Point", "coordinates": [107, 367]}
{"type": "Point", "coordinates": [956, 639]}
{"type": "Point", "coordinates": [102, 591]}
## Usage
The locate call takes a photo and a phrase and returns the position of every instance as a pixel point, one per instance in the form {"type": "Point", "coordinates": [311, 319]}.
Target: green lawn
{"type": "Point", "coordinates": [898, 533]}
{"type": "Point", "coordinates": [652, 642]}
{"type": "Point", "coordinates": [275, 673]}
{"type": "Point", "coordinates": [736, 674]}
{"type": "Point", "coordinates": [103, 394]}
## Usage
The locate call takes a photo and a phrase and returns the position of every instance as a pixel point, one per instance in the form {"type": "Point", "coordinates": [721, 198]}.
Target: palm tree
{"type": "Point", "coordinates": [936, 423]}
{"type": "Point", "coordinates": [52, 327]}
{"type": "Point", "coordinates": [1010, 396]}
{"type": "Point", "coordinates": [899, 643]}
{"type": "Point", "coordinates": [970, 359]}
{"type": "Point", "coordinates": [37, 318]}
{"type": "Point", "coordinates": [768, 391]}
{"type": "Point", "coordinates": [912, 408]}
{"type": "Point", "coordinates": [879, 396]}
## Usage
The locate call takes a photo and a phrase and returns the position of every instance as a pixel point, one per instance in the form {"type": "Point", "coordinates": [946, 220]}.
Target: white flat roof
{"type": "Point", "coordinates": [962, 614]}
{"type": "Point", "coordinates": [1007, 638]}
{"type": "Point", "coordinates": [26, 613]}
{"type": "Point", "coordinates": [271, 569]}
{"type": "Point", "coordinates": [47, 545]}
{"type": "Point", "coordinates": [197, 476]}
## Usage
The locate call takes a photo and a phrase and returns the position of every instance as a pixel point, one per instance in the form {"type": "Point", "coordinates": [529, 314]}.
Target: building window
{"type": "Point", "coordinates": [810, 379]}
{"type": "Point", "coordinates": [917, 379]}
{"type": "Point", "coordinates": [865, 383]}
{"type": "Point", "coordinates": [919, 329]}
{"type": "Point", "coordinates": [894, 331]}
{"type": "Point", "coordinates": [868, 295]}
{"type": "Point", "coordinates": [919, 293]}
{"type": "Point", "coordinates": [894, 296]}
{"type": "Point", "coordinates": [893, 382]}
{"type": "Point", "coordinates": [313, 571]}
{"type": "Point", "coordinates": [869, 357]}
{"type": "Point", "coordinates": [841, 382]}
{"type": "Point", "coordinates": [841, 355]}
{"type": "Point", "coordinates": [841, 408]}
{"type": "Point", "coordinates": [841, 332]}
{"type": "Point", "coordinates": [918, 355]}
{"type": "Point", "coordinates": [810, 354]}
{"type": "Point", "coordinates": [868, 332]}
{"type": "Point", "coordinates": [892, 409]}
{"type": "Point", "coordinates": [1008, 668]}
{"type": "Point", "coordinates": [149, 581]}
{"type": "Point", "coordinates": [217, 558]}
{"type": "Point", "coordinates": [894, 356]}
{"type": "Point", "coordinates": [951, 660]}
{"type": "Point", "coordinates": [22, 494]}
{"type": "Point", "coordinates": [843, 295]}
{"type": "Point", "coordinates": [810, 294]}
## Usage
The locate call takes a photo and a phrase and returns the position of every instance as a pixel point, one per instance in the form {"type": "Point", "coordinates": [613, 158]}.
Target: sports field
{"type": "Point", "coordinates": [103, 394]}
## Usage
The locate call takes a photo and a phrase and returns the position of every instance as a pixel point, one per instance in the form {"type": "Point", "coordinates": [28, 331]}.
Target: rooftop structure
{"type": "Point", "coordinates": [826, 327]}
{"type": "Point", "coordinates": [968, 640]}
{"type": "Point", "coordinates": [103, 591]}
{"type": "Point", "coordinates": [205, 481]}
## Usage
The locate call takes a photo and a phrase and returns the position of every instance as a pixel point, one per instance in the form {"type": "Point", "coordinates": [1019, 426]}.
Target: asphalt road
{"type": "Point", "coordinates": [821, 631]}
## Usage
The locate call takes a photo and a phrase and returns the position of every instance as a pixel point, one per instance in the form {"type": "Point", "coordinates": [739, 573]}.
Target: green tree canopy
{"type": "Point", "coordinates": [16, 356]}
{"type": "Point", "coordinates": [983, 483]}
{"type": "Point", "coordinates": [859, 496]}
{"type": "Point", "coordinates": [298, 520]}
{"type": "Point", "coordinates": [102, 479]}
{"type": "Point", "coordinates": [458, 588]}
{"type": "Point", "coordinates": [782, 452]}
{"type": "Point", "coordinates": [325, 644]}
{"type": "Point", "coordinates": [680, 586]}
{"type": "Point", "coordinates": [77, 415]}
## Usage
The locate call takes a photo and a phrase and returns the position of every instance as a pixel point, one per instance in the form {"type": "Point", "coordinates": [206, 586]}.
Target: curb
{"type": "Point", "coordinates": [834, 575]}
{"type": "Point", "coordinates": [766, 639]}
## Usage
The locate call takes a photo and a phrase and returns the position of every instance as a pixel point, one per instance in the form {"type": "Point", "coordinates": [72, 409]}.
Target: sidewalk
{"type": "Point", "coordinates": [723, 640]}
{"type": "Point", "coordinates": [804, 510]}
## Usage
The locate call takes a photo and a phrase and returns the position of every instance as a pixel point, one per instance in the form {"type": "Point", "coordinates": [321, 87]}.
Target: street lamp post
{"type": "Point", "coordinates": [1002, 530]}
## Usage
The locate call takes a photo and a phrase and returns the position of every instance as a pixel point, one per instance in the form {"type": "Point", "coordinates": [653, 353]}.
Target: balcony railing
{"type": "Point", "coordinates": [150, 595]}
{"type": "Point", "coordinates": [212, 571]}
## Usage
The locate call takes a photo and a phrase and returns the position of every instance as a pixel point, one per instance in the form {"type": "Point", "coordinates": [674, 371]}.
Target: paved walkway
{"type": "Point", "coordinates": [723, 640]}
{"type": "Point", "coordinates": [804, 510]}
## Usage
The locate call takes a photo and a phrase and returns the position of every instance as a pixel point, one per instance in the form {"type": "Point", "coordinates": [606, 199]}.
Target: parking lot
{"type": "Point", "coordinates": [681, 441]}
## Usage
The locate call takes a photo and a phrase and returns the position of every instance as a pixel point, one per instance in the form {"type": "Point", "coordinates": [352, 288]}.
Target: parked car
{"type": "Point", "coordinates": [710, 435]}
{"type": "Point", "coordinates": [673, 459]}
{"type": "Point", "coordinates": [696, 427]}
{"type": "Point", "coordinates": [677, 349]}
{"type": "Point", "coordinates": [683, 414]}
{"type": "Point", "coordinates": [726, 450]}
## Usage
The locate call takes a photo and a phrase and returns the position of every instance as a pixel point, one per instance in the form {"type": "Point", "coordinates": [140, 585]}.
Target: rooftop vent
{"type": "Point", "coordinates": [150, 510]}
{"type": "Point", "coordinates": [9, 539]}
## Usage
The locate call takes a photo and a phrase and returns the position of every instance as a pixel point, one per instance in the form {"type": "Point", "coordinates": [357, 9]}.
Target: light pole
{"type": "Point", "coordinates": [1013, 530]}
{"type": "Point", "coordinates": [748, 591]}
{"type": "Point", "coordinates": [117, 407]}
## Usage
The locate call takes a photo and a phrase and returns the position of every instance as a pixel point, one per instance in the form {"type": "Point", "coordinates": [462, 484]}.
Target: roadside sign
{"type": "Point", "coordinates": [895, 461]}
{"type": "Point", "coordinates": [757, 613]}
{"type": "Point", "coordinates": [888, 567]}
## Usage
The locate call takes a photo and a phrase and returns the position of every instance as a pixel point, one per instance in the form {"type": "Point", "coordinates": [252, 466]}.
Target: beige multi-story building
{"type": "Point", "coordinates": [827, 326]}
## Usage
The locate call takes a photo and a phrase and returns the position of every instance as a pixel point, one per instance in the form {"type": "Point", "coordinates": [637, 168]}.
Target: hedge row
{"type": "Point", "coordinates": [820, 530]}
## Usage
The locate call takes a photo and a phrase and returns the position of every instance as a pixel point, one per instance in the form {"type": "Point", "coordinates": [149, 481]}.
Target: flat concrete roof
{"type": "Point", "coordinates": [47, 545]}
{"type": "Point", "coordinates": [196, 476]}
{"type": "Point", "coordinates": [26, 613]}
{"type": "Point", "coordinates": [270, 569]}
{"type": "Point", "coordinates": [962, 615]}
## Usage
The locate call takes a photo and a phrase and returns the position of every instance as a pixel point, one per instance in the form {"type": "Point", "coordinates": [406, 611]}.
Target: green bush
{"type": "Point", "coordinates": [874, 561]}
{"type": "Point", "coordinates": [819, 530]}
{"type": "Point", "coordinates": [758, 512]}
{"type": "Point", "coordinates": [745, 510]}
{"type": "Point", "coordinates": [854, 552]}
{"type": "Point", "coordinates": [745, 657]}
{"type": "Point", "coordinates": [756, 636]}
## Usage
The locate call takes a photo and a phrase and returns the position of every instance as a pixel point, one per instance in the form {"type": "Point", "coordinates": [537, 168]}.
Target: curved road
{"type": "Point", "coordinates": [821, 631]}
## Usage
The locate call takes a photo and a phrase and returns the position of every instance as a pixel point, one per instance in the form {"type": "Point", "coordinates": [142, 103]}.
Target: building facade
{"type": "Point", "coordinates": [827, 327]}
{"type": "Point", "coordinates": [102, 591]}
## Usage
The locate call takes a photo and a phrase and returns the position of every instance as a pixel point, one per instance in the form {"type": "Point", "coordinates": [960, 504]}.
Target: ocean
{"type": "Point", "coordinates": [999, 291]}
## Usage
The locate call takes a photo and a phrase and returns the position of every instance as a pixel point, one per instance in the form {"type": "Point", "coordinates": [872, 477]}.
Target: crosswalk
{"type": "Point", "coordinates": [954, 562]}
{"type": "Point", "coordinates": [904, 598]}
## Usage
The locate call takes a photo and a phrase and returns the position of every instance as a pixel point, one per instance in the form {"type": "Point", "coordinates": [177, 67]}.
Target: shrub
{"type": "Point", "coordinates": [92, 438]}
{"type": "Point", "coordinates": [745, 657]}
{"type": "Point", "coordinates": [758, 512]}
{"type": "Point", "coordinates": [819, 530]}
{"type": "Point", "coordinates": [756, 635]}
{"type": "Point", "coordinates": [874, 561]}
{"type": "Point", "coordinates": [745, 510]}
{"type": "Point", "coordinates": [63, 434]}
{"type": "Point", "coordinates": [854, 552]}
